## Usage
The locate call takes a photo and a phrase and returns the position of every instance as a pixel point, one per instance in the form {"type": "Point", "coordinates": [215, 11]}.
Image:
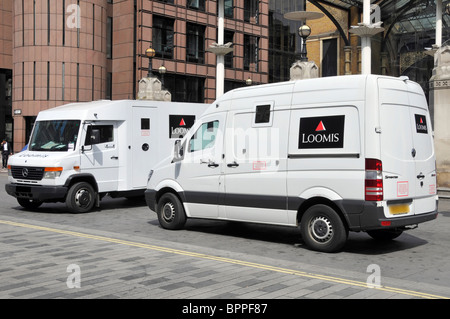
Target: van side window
{"type": "Point", "coordinates": [97, 134]}
{"type": "Point", "coordinates": [262, 114]}
{"type": "Point", "coordinates": [204, 137]}
{"type": "Point", "coordinates": [145, 124]}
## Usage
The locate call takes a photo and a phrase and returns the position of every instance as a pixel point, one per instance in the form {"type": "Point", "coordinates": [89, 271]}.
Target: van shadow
{"type": "Point", "coordinates": [107, 203]}
{"type": "Point", "coordinates": [357, 243]}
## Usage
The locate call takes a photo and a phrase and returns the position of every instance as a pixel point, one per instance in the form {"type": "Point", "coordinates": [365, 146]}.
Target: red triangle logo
{"type": "Point", "coordinates": [320, 127]}
{"type": "Point", "coordinates": [182, 123]}
{"type": "Point", "coordinates": [421, 121]}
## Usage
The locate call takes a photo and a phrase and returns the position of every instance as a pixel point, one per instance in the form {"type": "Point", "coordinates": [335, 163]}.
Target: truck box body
{"type": "Point", "coordinates": [335, 154]}
{"type": "Point", "coordinates": [112, 145]}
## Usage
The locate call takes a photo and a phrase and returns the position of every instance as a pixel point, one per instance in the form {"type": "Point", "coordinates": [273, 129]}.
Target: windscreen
{"type": "Point", "coordinates": [55, 135]}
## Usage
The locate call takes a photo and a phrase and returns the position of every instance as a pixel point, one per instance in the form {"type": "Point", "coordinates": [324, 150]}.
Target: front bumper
{"type": "Point", "coordinates": [35, 192]}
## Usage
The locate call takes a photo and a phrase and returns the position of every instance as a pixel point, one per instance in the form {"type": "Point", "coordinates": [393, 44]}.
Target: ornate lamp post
{"type": "Point", "coordinates": [150, 54]}
{"type": "Point", "coordinates": [303, 69]}
{"type": "Point", "coordinates": [304, 32]}
{"type": "Point", "coordinates": [162, 70]}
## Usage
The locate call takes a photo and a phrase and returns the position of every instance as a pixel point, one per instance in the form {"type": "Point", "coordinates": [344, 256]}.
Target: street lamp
{"type": "Point", "coordinates": [249, 81]}
{"type": "Point", "coordinates": [304, 32]}
{"type": "Point", "coordinates": [150, 54]}
{"type": "Point", "coordinates": [162, 70]}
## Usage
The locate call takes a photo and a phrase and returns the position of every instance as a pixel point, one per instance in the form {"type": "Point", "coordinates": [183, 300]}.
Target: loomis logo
{"type": "Point", "coordinates": [421, 124]}
{"type": "Point", "coordinates": [322, 132]}
{"type": "Point", "coordinates": [179, 125]}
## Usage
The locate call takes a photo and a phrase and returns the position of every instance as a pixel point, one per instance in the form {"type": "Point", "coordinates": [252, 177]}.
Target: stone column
{"type": "Point", "coordinates": [348, 60]}
{"type": "Point", "coordinates": [384, 63]}
{"type": "Point", "coordinates": [304, 70]}
{"type": "Point", "coordinates": [440, 111]}
{"type": "Point", "coordinates": [150, 89]}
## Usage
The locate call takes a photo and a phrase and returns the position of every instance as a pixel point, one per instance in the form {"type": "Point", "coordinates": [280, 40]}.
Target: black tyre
{"type": "Point", "coordinates": [385, 234]}
{"type": "Point", "coordinates": [322, 229]}
{"type": "Point", "coordinates": [29, 203]}
{"type": "Point", "coordinates": [170, 212]}
{"type": "Point", "coordinates": [80, 198]}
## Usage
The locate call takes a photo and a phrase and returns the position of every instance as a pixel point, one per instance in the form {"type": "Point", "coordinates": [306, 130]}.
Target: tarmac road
{"type": "Point", "coordinates": [122, 252]}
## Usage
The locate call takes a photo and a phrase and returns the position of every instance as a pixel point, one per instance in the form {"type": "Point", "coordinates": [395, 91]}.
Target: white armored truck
{"type": "Point", "coordinates": [80, 152]}
{"type": "Point", "coordinates": [330, 155]}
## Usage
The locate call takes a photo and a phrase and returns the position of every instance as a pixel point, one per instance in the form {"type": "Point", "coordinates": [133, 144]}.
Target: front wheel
{"type": "Point", "coordinates": [80, 198]}
{"type": "Point", "coordinates": [170, 212]}
{"type": "Point", "coordinates": [322, 229]}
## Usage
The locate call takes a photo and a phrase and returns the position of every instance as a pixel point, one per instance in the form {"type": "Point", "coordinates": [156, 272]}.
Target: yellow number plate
{"type": "Point", "coordinates": [399, 209]}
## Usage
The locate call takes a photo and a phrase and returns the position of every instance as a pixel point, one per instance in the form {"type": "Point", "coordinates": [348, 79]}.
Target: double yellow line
{"type": "Point", "coordinates": [228, 260]}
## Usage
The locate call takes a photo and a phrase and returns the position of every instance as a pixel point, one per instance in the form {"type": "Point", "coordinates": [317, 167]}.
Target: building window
{"type": "Point", "coordinates": [48, 80]}
{"type": "Point", "coordinates": [229, 9]}
{"type": "Point", "coordinates": [78, 82]}
{"type": "Point", "coordinates": [109, 39]}
{"type": "Point", "coordinates": [251, 53]}
{"type": "Point", "coordinates": [196, 4]}
{"type": "Point", "coordinates": [185, 88]}
{"type": "Point", "coordinates": [34, 80]}
{"type": "Point", "coordinates": [251, 11]}
{"type": "Point", "coordinates": [63, 82]}
{"type": "Point", "coordinates": [166, 1]}
{"type": "Point", "coordinates": [329, 57]}
{"type": "Point", "coordinates": [195, 43]}
{"type": "Point", "coordinates": [64, 24]}
{"type": "Point", "coordinates": [108, 86]}
{"type": "Point", "coordinates": [163, 34]}
{"type": "Point", "coordinates": [228, 37]}
{"type": "Point", "coordinates": [48, 22]}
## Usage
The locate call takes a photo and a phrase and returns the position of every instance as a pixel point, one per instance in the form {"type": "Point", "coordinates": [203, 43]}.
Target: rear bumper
{"type": "Point", "coordinates": [39, 193]}
{"type": "Point", "coordinates": [372, 217]}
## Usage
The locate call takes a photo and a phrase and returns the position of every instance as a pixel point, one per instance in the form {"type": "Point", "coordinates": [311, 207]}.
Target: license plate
{"type": "Point", "coordinates": [399, 209]}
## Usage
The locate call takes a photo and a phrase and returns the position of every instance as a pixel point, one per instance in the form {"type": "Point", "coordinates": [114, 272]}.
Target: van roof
{"type": "Point", "coordinates": [109, 110]}
{"type": "Point", "coordinates": [344, 87]}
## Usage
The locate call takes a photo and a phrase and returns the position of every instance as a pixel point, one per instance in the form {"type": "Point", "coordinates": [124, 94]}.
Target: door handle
{"type": "Point", "coordinates": [234, 164]}
{"type": "Point", "coordinates": [420, 176]}
{"type": "Point", "coordinates": [212, 164]}
{"type": "Point", "coordinates": [115, 157]}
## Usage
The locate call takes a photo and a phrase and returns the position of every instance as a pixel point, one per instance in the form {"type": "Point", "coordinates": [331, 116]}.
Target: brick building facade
{"type": "Point", "coordinates": [54, 52]}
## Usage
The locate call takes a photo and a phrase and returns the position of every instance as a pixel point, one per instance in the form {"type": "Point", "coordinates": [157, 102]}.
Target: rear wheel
{"type": "Point", "coordinates": [80, 198]}
{"type": "Point", "coordinates": [29, 203]}
{"type": "Point", "coordinates": [170, 212]}
{"type": "Point", "coordinates": [322, 229]}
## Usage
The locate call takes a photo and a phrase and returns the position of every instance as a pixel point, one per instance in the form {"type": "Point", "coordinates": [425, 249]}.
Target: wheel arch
{"type": "Point", "coordinates": [168, 189]}
{"type": "Point", "coordinates": [88, 178]}
{"type": "Point", "coordinates": [317, 200]}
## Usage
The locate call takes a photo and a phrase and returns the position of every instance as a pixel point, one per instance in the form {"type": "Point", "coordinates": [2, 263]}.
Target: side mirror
{"type": "Point", "coordinates": [178, 151]}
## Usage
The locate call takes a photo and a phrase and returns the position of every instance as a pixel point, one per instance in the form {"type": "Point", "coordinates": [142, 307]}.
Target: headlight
{"type": "Point", "coordinates": [149, 176]}
{"type": "Point", "coordinates": [52, 172]}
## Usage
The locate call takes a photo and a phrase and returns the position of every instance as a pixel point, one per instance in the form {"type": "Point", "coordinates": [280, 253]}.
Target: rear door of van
{"type": "Point", "coordinates": [407, 152]}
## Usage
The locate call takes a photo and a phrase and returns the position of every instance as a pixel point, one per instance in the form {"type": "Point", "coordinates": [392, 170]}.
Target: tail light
{"type": "Point", "coordinates": [374, 180]}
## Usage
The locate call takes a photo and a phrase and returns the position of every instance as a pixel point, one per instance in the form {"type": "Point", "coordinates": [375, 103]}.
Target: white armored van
{"type": "Point", "coordinates": [80, 152]}
{"type": "Point", "coordinates": [331, 155]}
